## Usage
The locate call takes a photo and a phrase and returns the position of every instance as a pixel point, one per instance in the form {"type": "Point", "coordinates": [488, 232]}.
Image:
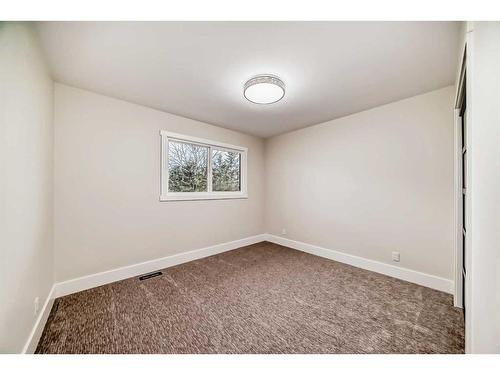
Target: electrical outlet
{"type": "Point", "coordinates": [283, 231]}
{"type": "Point", "coordinates": [395, 256]}
{"type": "Point", "coordinates": [36, 306]}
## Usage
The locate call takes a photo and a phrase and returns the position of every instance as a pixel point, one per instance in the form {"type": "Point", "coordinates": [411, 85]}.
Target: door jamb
{"type": "Point", "coordinates": [458, 245]}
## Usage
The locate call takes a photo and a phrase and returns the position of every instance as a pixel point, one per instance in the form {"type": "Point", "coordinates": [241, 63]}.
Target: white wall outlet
{"type": "Point", "coordinates": [395, 256]}
{"type": "Point", "coordinates": [36, 306]}
{"type": "Point", "coordinates": [283, 231]}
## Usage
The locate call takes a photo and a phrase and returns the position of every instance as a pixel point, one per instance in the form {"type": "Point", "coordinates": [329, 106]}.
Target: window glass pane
{"type": "Point", "coordinates": [226, 171]}
{"type": "Point", "coordinates": [187, 167]}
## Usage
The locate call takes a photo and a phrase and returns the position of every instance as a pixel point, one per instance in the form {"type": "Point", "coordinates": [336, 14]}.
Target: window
{"type": "Point", "coordinates": [194, 168]}
{"type": "Point", "coordinates": [187, 167]}
{"type": "Point", "coordinates": [226, 170]}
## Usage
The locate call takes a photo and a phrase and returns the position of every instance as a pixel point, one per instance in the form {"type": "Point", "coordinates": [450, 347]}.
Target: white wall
{"type": "Point", "coordinates": [483, 105]}
{"type": "Point", "coordinates": [370, 183]}
{"type": "Point", "coordinates": [107, 186]}
{"type": "Point", "coordinates": [26, 183]}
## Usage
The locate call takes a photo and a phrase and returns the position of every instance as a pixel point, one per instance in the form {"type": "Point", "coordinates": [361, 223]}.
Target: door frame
{"type": "Point", "coordinates": [458, 209]}
{"type": "Point", "coordinates": [466, 77]}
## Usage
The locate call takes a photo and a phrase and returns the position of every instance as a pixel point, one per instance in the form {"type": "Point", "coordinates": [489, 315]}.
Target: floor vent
{"type": "Point", "coordinates": [150, 275]}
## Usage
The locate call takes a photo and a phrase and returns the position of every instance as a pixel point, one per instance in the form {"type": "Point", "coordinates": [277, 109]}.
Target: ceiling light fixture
{"type": "Point", "coordinates": [264, 89]}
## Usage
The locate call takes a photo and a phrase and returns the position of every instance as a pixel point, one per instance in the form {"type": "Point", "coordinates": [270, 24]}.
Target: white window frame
{"type": "Point", "coordinates": [165, 195]}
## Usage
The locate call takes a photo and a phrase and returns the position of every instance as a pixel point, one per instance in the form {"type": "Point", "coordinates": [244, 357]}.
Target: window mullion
{"type": "Point", "coordinates": [209, 188]}
{"type": "Point", "coordinates": [166, 164]}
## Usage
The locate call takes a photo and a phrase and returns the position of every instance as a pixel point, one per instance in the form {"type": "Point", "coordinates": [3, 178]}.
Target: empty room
{"type": "Point", "coordinates": [250, 187]}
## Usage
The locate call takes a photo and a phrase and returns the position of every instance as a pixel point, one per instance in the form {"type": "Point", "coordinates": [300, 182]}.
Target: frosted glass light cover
{"type": "Point", "coordinates": [264, 89]}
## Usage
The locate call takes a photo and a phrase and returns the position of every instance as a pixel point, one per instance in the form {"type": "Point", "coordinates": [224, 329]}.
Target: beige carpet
{"type": "Point", "coordinates": [263, 298]}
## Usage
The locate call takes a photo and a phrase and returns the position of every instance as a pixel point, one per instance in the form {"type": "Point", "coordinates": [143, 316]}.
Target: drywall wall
{"type": "Point", "coordinates": [371, 183]}
{"type": "Point", "coordinates": [107, 187]}
{"type": "Point", "coordinates": [26, 183]}
{"type": "Point", "coordinates": [483, 230]}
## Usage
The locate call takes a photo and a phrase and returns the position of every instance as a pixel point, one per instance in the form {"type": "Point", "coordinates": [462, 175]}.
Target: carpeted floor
{"type": "Point", "coordinates": [263, 298]}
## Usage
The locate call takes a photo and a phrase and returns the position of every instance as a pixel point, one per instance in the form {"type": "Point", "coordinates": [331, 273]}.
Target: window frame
{"type": "Point", "coordinates": [166, 195]}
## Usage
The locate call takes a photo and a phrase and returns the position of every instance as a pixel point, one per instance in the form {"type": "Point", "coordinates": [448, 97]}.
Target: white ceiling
{"type": "Point", "coordinates": [197, 69]}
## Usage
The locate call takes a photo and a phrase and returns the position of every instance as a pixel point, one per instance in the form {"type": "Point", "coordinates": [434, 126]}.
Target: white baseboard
{"type": "Point", "coordinates": [416, 277]}
{"type": "Point", "coordinates": [36, 332]}
{"type": "Point", "coordinates": [91, 281]}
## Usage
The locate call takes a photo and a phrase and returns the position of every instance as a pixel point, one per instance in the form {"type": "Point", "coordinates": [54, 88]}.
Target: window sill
{"type": "Point", "coordinates": [201, 197]}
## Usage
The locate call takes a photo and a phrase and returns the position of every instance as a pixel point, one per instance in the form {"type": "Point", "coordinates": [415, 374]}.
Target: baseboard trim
{"type": "Point", "coordinates": [91, 281]}
{"type": "Point", "coordinates": [416, 277]}
{"type": "Point", "coordinates": [37, 330]}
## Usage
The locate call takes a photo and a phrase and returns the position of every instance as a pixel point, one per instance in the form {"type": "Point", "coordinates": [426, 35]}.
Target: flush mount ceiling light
{"type": "Point", "coordinates": [264, 89]}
